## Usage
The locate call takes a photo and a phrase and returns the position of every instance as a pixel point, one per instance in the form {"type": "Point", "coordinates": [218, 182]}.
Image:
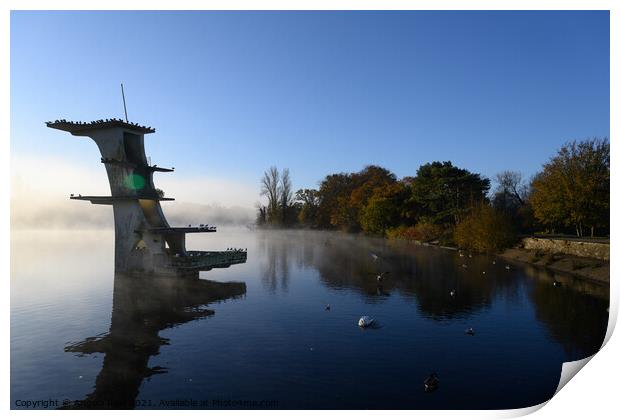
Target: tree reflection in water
{"type": "Point", "coordinates": [426, 275]}
{"type": "Point", "coordinates": [570, 310]}
{"type": "Point", "coordinates": [141, 308]}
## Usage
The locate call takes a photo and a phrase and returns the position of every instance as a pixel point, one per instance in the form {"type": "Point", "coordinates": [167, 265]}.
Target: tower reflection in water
{"type": "Point", "coordinates": [141, 308]}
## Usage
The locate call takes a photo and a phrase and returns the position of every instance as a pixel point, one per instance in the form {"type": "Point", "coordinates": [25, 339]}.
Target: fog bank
{"type": "Point", "coordinates": [40, 190]}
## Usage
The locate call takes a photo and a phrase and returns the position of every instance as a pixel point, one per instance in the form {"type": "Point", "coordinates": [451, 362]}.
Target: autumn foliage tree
{"type": "Point", "coordinates": [573, 188]}
{"type": "Point", "coordinates": [363, 186]}
{"type": "Point", "coordinates": [445, 203]}
{"type": "Point", "coordinates": [485, 229]}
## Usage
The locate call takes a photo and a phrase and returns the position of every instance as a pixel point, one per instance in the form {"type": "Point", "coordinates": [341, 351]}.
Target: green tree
{"type": "Point", "coordinates": [443, 193]}
{"type": "Point", "coordinates": [383, 210]}
{"type": "Point", "coordinates": [308, 200]}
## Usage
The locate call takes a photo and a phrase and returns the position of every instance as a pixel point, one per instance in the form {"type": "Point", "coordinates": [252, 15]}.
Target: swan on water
{"type": "Point", "coordinates": [365, 321]}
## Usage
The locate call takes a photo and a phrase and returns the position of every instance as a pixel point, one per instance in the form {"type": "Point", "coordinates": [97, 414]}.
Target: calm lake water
{"type": "Point", "coordinates": [266, 340]}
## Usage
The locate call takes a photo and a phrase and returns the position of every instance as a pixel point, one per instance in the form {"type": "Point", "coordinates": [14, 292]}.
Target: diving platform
{"type": "Point", "coordinates": [153, 168]}
{"type": "Point", "coordinates": [184, 229]}
{"type": "Point", "coordinates": [207, 260]}
{"type": "Point", "coordinates": [144, 241]}
{"type": "Point", "coordinates": [98, 199]}
{"type": "Point", "coordinates": [79, 128]}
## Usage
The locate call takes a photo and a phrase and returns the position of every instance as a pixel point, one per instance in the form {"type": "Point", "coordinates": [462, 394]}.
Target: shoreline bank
{"type": "Point", "coordinates": [591, 269]}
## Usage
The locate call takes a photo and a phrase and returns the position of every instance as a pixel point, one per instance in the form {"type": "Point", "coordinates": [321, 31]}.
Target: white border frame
{"type": "Point", "coordinates": [592, 394]}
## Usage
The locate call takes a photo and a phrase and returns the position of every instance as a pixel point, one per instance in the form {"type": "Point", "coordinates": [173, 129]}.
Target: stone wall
{"type": "Point", "coordinates": [599, 251]}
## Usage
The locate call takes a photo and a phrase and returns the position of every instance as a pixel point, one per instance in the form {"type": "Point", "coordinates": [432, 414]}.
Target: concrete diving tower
{"type": "Point", "coordinates": [144, 241]}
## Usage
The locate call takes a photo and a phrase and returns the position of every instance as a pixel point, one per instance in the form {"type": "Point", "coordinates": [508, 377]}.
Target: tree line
{"type": "Point", "coordinates": [452, 205]}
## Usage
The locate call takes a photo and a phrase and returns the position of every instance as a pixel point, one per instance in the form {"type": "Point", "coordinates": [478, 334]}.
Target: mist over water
{"type": "Point", "coordinates": [65, 215]}
{"type": "Point", "coordinates": [79, 332]}
{"type": "Point", "coordinates": [40, 188]}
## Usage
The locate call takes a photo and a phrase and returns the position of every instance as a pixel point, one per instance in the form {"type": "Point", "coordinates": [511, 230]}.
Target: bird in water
{"type": "Point", "coordinates": [453, 292]}
{"type": "Point", "coordinates": [327, 307]}
{"type": "Point", "coordinates": [484, 272]}
{"type": "Point", "coordinates": [365, 321]}
{"type": "Point", "coordinates": [464, 265]}
{"type": "Point", "coordinates": [431, 382]}
{"type": "Point", "coordinates": [374, 256]}
{"type": "Point", "coordinates": [469, 331]}
{"type": "Point", "coordinates": [507, 267]}
{"type": "Point", "coordinates": [381, 276]}
{"type": "Point", "coordinates": [557, 284]}
{"type": "Point", "coordinates": [494, 262]}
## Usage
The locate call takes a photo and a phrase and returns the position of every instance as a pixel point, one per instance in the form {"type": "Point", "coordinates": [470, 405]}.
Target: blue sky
{"type": "Point", "coordinates": [232, 93]}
